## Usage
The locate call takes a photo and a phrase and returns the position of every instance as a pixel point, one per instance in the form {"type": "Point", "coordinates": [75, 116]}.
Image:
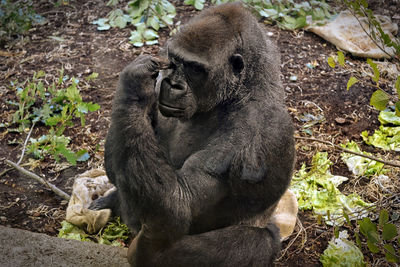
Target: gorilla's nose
{"type": "Point", "coordinates": [177, 85]}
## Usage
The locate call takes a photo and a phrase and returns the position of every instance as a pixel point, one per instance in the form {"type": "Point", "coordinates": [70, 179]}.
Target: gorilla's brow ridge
{"type": "Point", "coordinates": [183, 59]}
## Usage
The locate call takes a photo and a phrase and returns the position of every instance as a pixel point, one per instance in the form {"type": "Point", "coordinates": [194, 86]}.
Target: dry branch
{"type": "Point", "coordinates": [26, 142]}
{"type": "Point", "coordinates": [54, 188]}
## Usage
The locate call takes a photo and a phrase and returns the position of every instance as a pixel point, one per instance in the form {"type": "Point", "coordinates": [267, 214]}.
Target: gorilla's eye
{"type": "Point", "coordinates": [195, 67]}
{"type": "Point", "coordinates": [172, 65]}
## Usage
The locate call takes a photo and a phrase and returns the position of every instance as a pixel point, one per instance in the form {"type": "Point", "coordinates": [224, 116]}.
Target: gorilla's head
{"type": "Point", "coordinates": [216, 58]}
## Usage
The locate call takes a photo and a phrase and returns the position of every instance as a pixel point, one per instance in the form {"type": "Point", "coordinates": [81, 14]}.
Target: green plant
{"type": "Point", "coordinates": [148, 16]}
{"type": "Point", "coordinates": [56, 106]}
{"type": "Point", "coordinates": [288, 14]}
{"type": "Point", "coordinates": [379, 99]}
{"type": "Point", "coordinates": [27, 94]}
{"type": "Point", "coordinates": [16, 17]}
{"type": "Point", "coordinates": [379, 238]}
{"type": "Point", "coordinates": [198, 4]}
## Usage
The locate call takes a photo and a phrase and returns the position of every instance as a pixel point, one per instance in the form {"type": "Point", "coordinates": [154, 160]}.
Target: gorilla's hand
{"type": "Point", "coordinates": [139, 77]}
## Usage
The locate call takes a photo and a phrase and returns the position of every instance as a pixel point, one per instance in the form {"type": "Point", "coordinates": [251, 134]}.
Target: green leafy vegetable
{"type": "Point", "coordinates": [317, 190]}
{"type": "Point", "coordinates": [342, 253]}
{"type": "Point", "coordinates": [389, 117]}
{"type": "Point", "coordinates": [70, 231]}
{"type": "Point", "coordinates": [387, 138]}
{"type": "Point", "coordinates": [114, 234]}
{"type": "Point", "coordinates": [361, 165]}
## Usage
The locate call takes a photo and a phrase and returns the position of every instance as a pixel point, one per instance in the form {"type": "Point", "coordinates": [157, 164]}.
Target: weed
{"type": "Point", "coordinates": [56, 106]}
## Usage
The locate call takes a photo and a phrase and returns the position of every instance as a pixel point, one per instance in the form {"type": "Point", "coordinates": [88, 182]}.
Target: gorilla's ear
{"type": "Point", "coordinates": [237, 63]}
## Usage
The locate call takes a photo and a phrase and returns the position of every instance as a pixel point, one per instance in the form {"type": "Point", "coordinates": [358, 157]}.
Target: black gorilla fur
{"type": "Point", "coordinates": [198, 162]}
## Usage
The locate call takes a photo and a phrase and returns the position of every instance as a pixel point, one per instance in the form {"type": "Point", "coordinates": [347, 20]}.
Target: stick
{"type": "Point", "coordinates": [55, 189]}
{"type": "Point", "coordinates": [26, 141]}
{"type": "Point", "coordinates": [350, 152]}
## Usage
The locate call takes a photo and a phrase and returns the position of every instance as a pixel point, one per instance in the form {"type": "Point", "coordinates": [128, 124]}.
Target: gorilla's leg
{"type": "Point", "coordinates": [238, 245]}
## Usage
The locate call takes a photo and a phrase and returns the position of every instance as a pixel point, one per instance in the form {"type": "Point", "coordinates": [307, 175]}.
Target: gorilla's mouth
{"type": "Point", "coordinates": [170, 111]}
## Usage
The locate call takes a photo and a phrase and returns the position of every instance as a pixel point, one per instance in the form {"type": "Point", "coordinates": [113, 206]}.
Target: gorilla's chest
{"type": "Point", "coordinates": [186, 139]}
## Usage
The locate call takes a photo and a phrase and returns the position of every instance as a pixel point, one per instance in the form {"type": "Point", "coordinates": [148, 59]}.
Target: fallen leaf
{"type": "Point", "coordinates": [340, 120]}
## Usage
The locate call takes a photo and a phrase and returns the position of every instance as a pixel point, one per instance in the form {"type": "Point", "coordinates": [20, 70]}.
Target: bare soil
{"type": "Point", "coordinates": [320, 91]}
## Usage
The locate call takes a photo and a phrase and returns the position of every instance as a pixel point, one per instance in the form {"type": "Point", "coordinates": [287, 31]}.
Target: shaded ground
{"type": "Point", "coordinates": [318, 91]}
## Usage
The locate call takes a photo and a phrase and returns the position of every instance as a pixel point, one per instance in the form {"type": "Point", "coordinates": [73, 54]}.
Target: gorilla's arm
{"type": "Point", "coordinates": [135, 162]}
{"type": "Point", "coordinates": [148, 186]}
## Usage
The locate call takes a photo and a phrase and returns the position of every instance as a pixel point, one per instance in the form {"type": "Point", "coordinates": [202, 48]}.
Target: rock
{"type": "Point", "coordinates": [24, 248]}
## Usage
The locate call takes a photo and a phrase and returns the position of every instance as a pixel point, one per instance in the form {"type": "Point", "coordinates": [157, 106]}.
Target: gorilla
{"type": "Point", "coordinates": [201, 155]}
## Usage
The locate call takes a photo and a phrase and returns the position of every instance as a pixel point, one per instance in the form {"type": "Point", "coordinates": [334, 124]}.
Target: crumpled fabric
{"type": "Point", "coordinates": [285, 214]}
{"type": "Point", "coordinates": [346, 33]}
{"type": "Point", "coordinates": [89, 186]}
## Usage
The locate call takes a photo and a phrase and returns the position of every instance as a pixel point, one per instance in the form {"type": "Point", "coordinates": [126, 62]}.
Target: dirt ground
{"type": "Point", "coordinates": [320, 91]}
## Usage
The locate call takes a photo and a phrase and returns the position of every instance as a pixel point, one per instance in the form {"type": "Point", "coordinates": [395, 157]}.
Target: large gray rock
{"type": "Point", "coordinates": [24, 248]}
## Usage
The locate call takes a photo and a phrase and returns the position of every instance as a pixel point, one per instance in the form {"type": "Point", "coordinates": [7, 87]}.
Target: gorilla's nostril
{"type": "Point", "coordinates": [178, 86]}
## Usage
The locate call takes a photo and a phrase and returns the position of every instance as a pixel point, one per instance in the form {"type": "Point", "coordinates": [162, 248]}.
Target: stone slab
{"type": "Point", "coordinates": [24, 248]}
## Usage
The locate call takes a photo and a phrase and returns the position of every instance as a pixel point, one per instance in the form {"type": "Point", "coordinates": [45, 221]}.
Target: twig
{"type": "Point", "coordinates": [26, 142]}
{"type": "Point", "coordinates": [5, 171]}
{"type": "Point", "coordinates": [390, 163]}
{"type": "Point", "coordinates": [302, 229]}
{"type": "Point", "coordinates": [55, 189]}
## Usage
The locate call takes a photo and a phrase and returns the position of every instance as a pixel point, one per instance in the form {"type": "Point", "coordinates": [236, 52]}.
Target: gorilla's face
{"type": "Point", "coordinates": [183, 87]}
{"type": "Point", "coordinates": [191, 84]}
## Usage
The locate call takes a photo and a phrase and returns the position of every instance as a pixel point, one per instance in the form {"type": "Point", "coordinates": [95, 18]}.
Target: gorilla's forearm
{"type": "Point", "coordinates": [144, 179]}
{"type": "Point", "coordinates": [148, 178]}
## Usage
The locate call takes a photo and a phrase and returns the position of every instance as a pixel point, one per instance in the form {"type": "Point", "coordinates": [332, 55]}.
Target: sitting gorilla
{"type": "Point", "coordinates": [197, 159]}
